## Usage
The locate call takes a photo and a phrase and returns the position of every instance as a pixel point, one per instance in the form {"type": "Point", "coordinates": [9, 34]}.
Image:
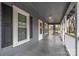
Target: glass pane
{"type": "Point", "coordinates": [21, 27]}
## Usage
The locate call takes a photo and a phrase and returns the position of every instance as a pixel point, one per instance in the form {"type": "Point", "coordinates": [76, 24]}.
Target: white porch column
{"type": "Point", "coordinates": [65, 24]}
{"type": "Point", "coordinates": [78, 28]}
{"type": "Point", "coordinates": [62, 30]}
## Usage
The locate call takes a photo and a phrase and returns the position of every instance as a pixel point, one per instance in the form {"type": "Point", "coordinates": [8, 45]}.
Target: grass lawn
{"type": "Point", "coordinates": [72, 34]}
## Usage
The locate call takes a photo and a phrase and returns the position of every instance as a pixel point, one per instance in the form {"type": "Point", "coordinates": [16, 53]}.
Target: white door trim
{"type": "Point", "coordinates": [17, 10]}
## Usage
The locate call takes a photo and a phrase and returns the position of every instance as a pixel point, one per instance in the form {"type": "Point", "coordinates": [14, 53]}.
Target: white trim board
{"type": "Point", "coordinates": [17, 10]}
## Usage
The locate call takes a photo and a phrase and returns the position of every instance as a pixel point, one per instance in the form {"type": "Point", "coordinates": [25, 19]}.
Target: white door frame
{"type": "Point", "coordinates": [40, 36]}
{"type": "Point", "coordinates": [17, 10]}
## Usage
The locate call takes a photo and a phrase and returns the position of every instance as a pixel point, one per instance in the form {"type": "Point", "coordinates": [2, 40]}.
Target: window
{"type": "Point", "coordinates": [41, 28]}
{"type": "Point", "coordinates": [20, 26]}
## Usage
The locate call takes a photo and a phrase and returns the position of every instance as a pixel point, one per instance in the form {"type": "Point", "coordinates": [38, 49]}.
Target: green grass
{"type": "Point", "coordinates": [72, 34]}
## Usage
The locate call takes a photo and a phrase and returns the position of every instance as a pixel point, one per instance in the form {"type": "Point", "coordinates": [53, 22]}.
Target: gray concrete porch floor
{"type": "Point", "coordinates": [50, 46]}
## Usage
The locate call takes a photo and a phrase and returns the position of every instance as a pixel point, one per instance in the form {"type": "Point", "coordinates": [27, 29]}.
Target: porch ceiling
{"type": "Point", "coordinates": [46, 9]}
{"type": "Point", "coordinates": [55, 10]}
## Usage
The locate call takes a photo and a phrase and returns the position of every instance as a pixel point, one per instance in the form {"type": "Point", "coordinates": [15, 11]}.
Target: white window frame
{"type": "Point", "coordinates": [17, 10]}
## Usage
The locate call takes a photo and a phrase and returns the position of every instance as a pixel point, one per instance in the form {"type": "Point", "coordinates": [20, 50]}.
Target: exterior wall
{"type": "Point", "coordinates": [10, 50]}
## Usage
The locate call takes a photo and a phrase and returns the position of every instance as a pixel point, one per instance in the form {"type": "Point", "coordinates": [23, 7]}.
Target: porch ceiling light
{"type": "Point", "coordinates": [50, 17]}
